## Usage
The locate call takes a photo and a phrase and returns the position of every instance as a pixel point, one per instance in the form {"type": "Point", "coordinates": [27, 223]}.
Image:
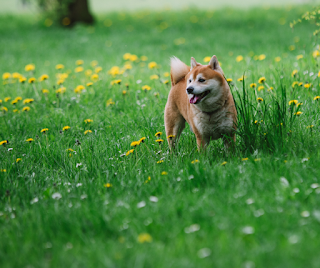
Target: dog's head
{"type": "Point", "coordinates": [205, 83]}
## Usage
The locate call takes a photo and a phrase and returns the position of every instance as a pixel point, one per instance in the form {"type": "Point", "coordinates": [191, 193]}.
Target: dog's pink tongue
{"type": "Point", "coordinates": [194, 99]}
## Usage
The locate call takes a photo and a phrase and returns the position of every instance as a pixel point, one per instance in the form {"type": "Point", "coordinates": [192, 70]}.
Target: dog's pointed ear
{"type": "Point", "coordinates": [193, 63]}
{"type": "Point", "coordinates": [214, 64]}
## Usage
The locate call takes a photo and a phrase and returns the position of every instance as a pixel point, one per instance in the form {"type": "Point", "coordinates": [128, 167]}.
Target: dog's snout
{"type": "Point", "coordinates": [190, 90]}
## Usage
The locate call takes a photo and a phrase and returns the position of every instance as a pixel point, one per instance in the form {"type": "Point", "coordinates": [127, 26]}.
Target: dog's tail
{"type": "Point", "coordinates": [178, 70]}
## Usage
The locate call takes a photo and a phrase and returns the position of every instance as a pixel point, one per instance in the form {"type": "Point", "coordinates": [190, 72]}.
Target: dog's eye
{"type": "Point", "coordinates": [189, 80]}
{"type": "Point", "coordinates": [201, 80]}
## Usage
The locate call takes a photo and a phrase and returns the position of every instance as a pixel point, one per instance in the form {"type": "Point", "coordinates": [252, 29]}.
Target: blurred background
{"type": "Point", "coordinates": [103, 6]}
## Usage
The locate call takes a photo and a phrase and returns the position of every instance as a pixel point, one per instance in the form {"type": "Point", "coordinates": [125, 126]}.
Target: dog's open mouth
{"type": "Point", "coordinates": [197, 98]}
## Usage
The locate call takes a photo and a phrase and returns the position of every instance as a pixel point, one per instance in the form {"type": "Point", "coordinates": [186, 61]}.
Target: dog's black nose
{"type": "Point", "coordinates": [190, 90]}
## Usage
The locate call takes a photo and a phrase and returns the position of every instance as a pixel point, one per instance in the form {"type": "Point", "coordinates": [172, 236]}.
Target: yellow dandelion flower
{"type": "Point", "coordinates": [144, 58]}
{"type": "Point", "coordinates": [87, 131]}
{"type": "Point", "coordinates": [295, 83]}
{"type": "Point", "coordinates": [133, 58]}
{"type": "Point", "coordinates": [223, 163]}
{"type": "Point", "coordinates": [260, 88]}
{"type": "Point", "coordinates": [115, 82]}
{"type": "Point", "coordinates": [299, 57]}
{"type": "Point", "coordinates": [16, 111]}
{"type": "Point", "coordinates": [44, 130]}
{"type": "Point", "coordinates": [29, 67]}
{"type": "Point", "coordinates": [262, 80]}
{"type": "Point", "coordinates": [127, 66]}
{"type": "Point", "coordinates": [18, 160]}
{"type": "Point", "coordinates": [107, 185]}
{"type": "Point", "coordinates": [160, 161]}
{"type": "Point", "coordinates": [259, 99]}
{"type": "Point", "coordinates": [307, 85]}
{"type": "Point", "coordinates": [241, 78]}
{"type": "Point", "coordinates": [144, 237]}
{"type": "Point", "coordinates": [3, 170]}
{"type": "Point", "coordinates": [311, 126]}
{"type": "Point", "coordinates": [294, 73]}
{"type": "Point", "coordinates": [88, 72]}
{"type": "Point", "coordinates": [195, 161]}
{"type": "Point", "coordinates": [170, 137]}
{"type": "Point", "coordinates": [6, 76]}
{"type": "Point", "coordinates": [22, 79]}
{"type": "Point", "coordinates": [135, 143]}
{"type": "Point", "coordinates": [262, 57]}
{"type": "Point", "coordinates": [146, 87]}
{"type": "Point", "coordinates": [79, 89]}
{"type": "Point", "coordinates": [158, 134]}
{"type": "Point", "coordinates": [4, 109]}
{"type": "Point", "coordinates": [277, 59]}
{"type": "Point", "coordinates": [94, 77]}
{"type": "Point", "coordinates": [316, 98]}
{"type": "Point", "coordinates": [270, 88]}
{"type": "Point", "coordinates": [164, 173]}
{"type": "Point", "coordinates": [129, 152]}
{"type": "Point", "coordinates": [6, 99]}
{"type": "Point", "coordinates": [298, 113]}
{"type": "Point", "coordinates": [32, 80]}
{"type": "Point", "coordinates": [65, 128]}
{"type": "Point", "coordinates": [257, 159]}
{"type": "Point", "coordinates": [79, 62]}
{"type": "Point", "coordinates": [43, 77]}
{"type": "Point", "coordinates": [154, 77]}
{"type": "Point", "coordinates": [26, 109]}
{"type": "Point", "coordinates": [61, 90]}
{"type": "Point", "coordinates": [16, 75]}
{"type": "Point", "coordinates": [159, 141]}
{"type": "Point", "coordinates": [316, 53]}
{"type": "Point", "coordinates": [29, 140]}
{"type": "Point", "coordinates": [245, 159]}
{"type": "Point", "coordinates": [94, 63]}
{"type": "Point", "coordinates": [89, 84]}
{"type": "Point", "coordinates": [152, 65]}
{"type": "Point", "coordinates": [206, 59]}
{"type": "Point", "coordinates": [114, 71]}
{"type": "Point", "coordinates": [110, 102]}
{"type": "Point", "coordinates": [98, 69]}
{"type": "Point", "coordinates": [4, 142]}
{"type": "Point", "coordinates": [126, 56]}
{"type": "Point", "coordinates": [60, 82]}
{"type": "Point", "coordinates": [59, 66]}
{"type": "Point", "coordinates": [239, 58]}
{"type": "Point", "coordinates": [229, 80]}
{"type": "Point", "coordinates": [88, 121]}
{"type": "Point", "coordinates": [253, 85]}
{"type": "Point", "coordinates": [292, 47]}
{"type": "Point", "coordinates": [45, 91]}
{"type": "Point", "coordinates": [78, 69]}
{"type": "Point", "coordinates": [293, 102]}
{"type": "Point", "coordinates": [14, 102]}
{"type": "Point", "coordinates": [166, 74]}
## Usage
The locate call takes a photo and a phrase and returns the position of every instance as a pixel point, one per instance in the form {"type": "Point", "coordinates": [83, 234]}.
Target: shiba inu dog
{"type": "Point", "coordinates": [201, 96]}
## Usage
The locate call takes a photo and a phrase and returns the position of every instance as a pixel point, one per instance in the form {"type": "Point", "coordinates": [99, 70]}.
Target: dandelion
{"type": "Point", "coordinates": [241, 78]}
{"type": "Point", "coordinates": [115, 82]}
{"type": "Point", "coordinates": [144, 58]}
{"type": "Point", "coordinates": [270, 88]}
{"type": "Point", "coordinates": [78, 69]}
{"type": "Point", "coordinates": [164, 173]}
{"type": "Point", "coordinates": [59, 66]}
{"type": "Point", "coordinates": [156, 94]}
{"type": "Point", "coordinates": [170, 137]}
{"type": "Point", "coordinates": [229, 80]}
{"type": "Point", "coordinates": [94, 77]}
{"type": "Point", "coordinates": [146, 87]}
{"type": "Point", "coordinates": [61, 90]}
{"type": "Point", "coordinates": [133, 58]}
{"type": "Point", "coordinates": [87, 131]}
{"type": "Point", "coordinates": [114, 71]}
{"type": "Point", "coordinates": [7, 99]}
{"type": "Point", "coordinates": [299, 57]}
{"type": "Point", "coordinates": [44, 130]}
{"type": "Point", "coordinates": [259, 99]}
{"type": "Point", "coordinates": [110, 102]}
{"type": "Point", "coordinates": [65, 128]}
{"type": "Point", "coordinates": [89, 84]}
{"type": "Point", "coordinates": [88, 121]}
{"type": "Point", "coordinates": [159, 141]}
{"type": "Point", "coordinates": [262, 57]}
{"type": "Point", "coordinates": [79, 62]}
{"type": "Point", "coordinates": [260, 88]}
{"type": "Point", "coordinates": [298, 113]}
{"type": "Point", "coordinates": [29, 140]}
{"type": "Point", "coordinates": [16, 75]}
{"type": "Point", "coordinates": [6, 76]}
{"type": "Point", "coordinates": [158, 134]}
{"type": "Point", "coordinates": [277, 59]}
{"type": "Point", "coordinates": [43, 77]}
{"type": "Point", "coordinates": [262, 80]}
{"type": "Point", "coordinates": [316, 98]}
{"type": "Point", "coordinates": [22, 79]}
{"type": "Point", "coordinates": [207, 59]}
{"type": "Point", "coordinates": [45, 91]}
{"type": "Point", "coordinates": [307, 85]}
{"type": "Point", "coordinates": [152, 65]}
{"type": "Point", "coordinates": [18, 160]}
{"type": "Point", "coordinates": [127, 66]}
{"type": "Point", "coordinates": [245, 159]}
{"type": "Point", "coordinates": [107, 185]}
{"type": "Point", "coordinates": [253, 85]}
{"type": "Point", "coordinates": [3, 170]}
{"type": "Point", "coordinates": [154, 77]}
{"type": "Point", "coordinates": [223, 163]}
{"type": "Point", "coordinates": [88, 72]}
{"type": "Point", "coordinates": [126, 56]}
{"type": "Point", "coordinates": [14, 102]}
{"type": "Point", "coordinates": [4, 109]}
{"type": "Point", "coordinates": [316, 53]}
{"type": "Point", "coordinates": [295, 83]}
{"type": "Point", "coordinates": [144, 237]}
{"type": "Point", "coordinates": [142, 139]}
{"type": "Point", "coordinates": [124, 92]}
{"type": "Point", "coordinates": [129, 152]}
{"type": "Point", "coordinates": [166, 74]}
{"type": "Point", "coordinates": [3, 142]}
{"type": "Point", "coordinates": [293, 102]}
{"type": "Point", "coordinates": [294, 73]}
{"type": "Point", "coordinates": [292, 47]}
{"type": "Point", "coordinates": [310, 127]}
{"type": "Point", "coordinates": [60, 82]}
{"type": "Point", "coordinates": [26, 109]}
{"type": "Point", "coordinates": [16, 111]}
{"type": "Point", "coordinates": [195, 161]}
{"type": "Point", "coordinates": [160, 161]}
{"type": "Point", "coordinates": [135, 143]}
{"type": "Point", "coordinates": [239, 58]}
{"type": "Point", "coordinates": [31, 80]}
{"type": "Point", "coordinates": [29, 67]}
{"type": "Point", "coordinates": [257, 160]}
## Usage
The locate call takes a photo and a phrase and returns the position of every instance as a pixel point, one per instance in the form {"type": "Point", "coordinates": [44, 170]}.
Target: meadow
{"type": "Point", "coordinates": [75, 191]}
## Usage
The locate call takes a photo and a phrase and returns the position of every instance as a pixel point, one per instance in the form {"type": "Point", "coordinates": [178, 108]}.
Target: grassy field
{"type": "Point", "coordinates": [78, 197]}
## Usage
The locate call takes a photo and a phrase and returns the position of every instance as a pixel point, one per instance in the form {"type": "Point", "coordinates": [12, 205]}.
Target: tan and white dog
{"type": "Point", "coordinates": [201, 96]}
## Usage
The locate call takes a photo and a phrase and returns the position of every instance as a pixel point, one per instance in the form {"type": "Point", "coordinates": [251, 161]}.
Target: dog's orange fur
{"type": "Point", "coordinates": [212, 120]}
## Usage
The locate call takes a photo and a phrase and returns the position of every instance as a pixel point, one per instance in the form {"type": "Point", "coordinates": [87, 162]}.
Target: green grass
{"type": "Point", "coordinates": [260, 212]}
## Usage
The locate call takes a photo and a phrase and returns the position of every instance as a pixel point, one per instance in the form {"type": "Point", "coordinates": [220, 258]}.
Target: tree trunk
{"type": "Point", "coordinates": [78, 11]}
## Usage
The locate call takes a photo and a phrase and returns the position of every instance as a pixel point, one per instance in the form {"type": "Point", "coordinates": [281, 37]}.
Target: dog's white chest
{"type": "Point", "coordinates": [212, 126]}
